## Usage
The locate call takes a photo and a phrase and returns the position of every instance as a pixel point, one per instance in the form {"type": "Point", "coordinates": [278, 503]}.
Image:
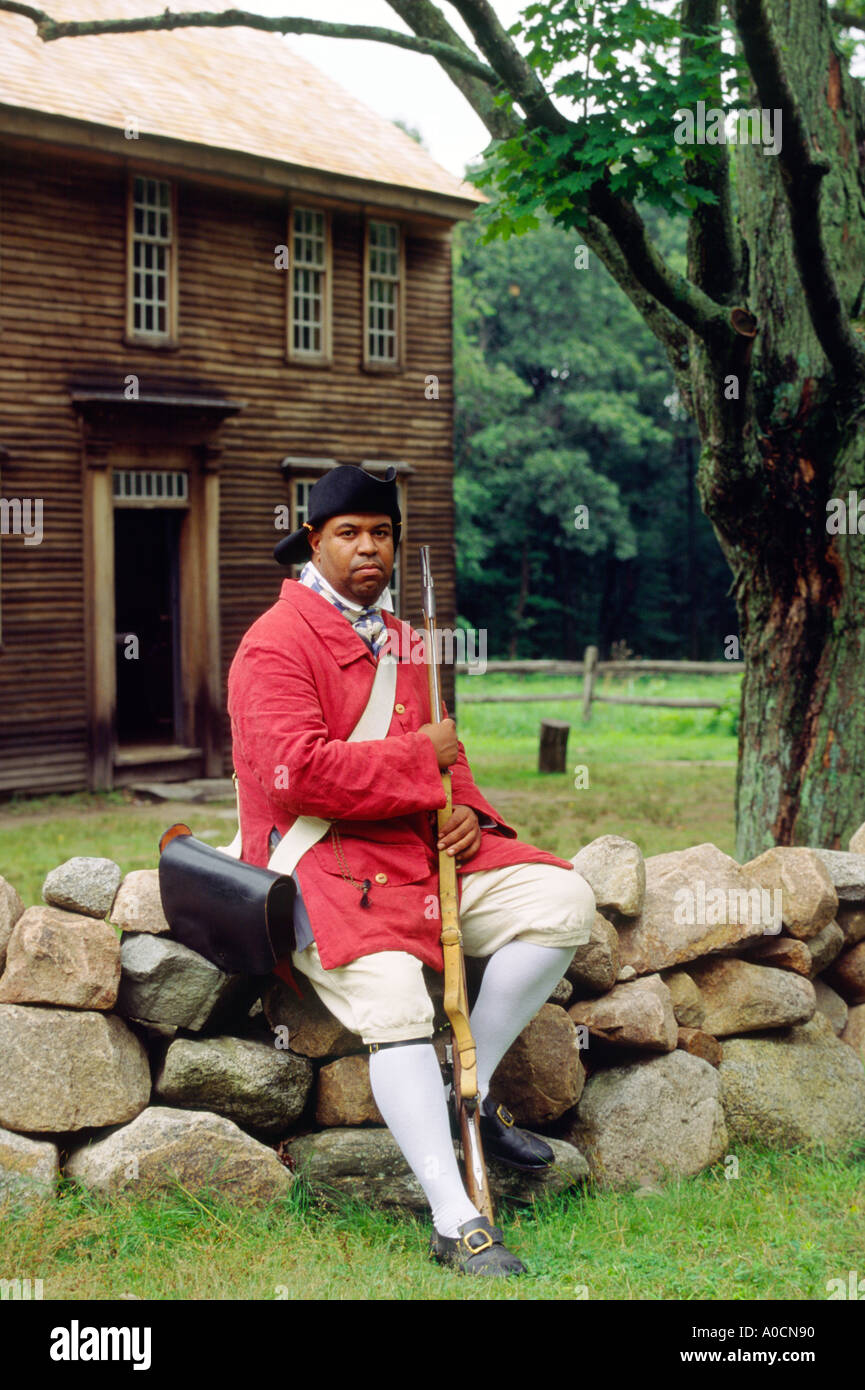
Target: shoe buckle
{"type": "Point", "coordinates": [505, 1116]}
{"type": "Point", "coordinates": [486, 1240]}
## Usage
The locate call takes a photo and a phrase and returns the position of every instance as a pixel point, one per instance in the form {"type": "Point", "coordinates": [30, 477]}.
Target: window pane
{"type": "Point", "coordinates": [152, 237]}
{"type": "Point", "coordinates": [382, 291]}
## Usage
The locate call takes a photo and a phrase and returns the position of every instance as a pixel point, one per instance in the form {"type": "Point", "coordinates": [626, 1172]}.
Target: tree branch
{"type": "Point", "coordinates": [802, 172]}
{"type": "Point", "coordinates": [505, 58]}
{"type": "Point", "coordinates": [676, 293]}
{"type": "Point", "coordinates": [428, 22]}
{"type": "Point", "coordinates": [50, 29]}
{"type": "Point", "coordinates": [714, 245]}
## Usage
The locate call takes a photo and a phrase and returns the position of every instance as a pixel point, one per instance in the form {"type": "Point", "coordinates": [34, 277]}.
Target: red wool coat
{"type": "Point", "coordinates": [298, 684]}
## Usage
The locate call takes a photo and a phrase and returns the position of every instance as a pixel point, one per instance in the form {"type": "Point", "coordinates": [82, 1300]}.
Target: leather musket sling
{"type": "Point", "coordinates": [237, 915]}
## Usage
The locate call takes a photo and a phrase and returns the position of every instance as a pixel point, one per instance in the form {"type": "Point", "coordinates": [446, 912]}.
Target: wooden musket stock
{"type": "Point", "coordinates": [465, 1072]}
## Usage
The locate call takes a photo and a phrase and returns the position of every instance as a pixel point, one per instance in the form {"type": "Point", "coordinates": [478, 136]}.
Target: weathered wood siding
{"type": "Point", "coordinates": [62, 319]}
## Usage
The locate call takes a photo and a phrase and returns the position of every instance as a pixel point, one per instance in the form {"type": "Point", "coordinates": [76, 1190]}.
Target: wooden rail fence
{"type": "Point", "coordinates": [590, 668]}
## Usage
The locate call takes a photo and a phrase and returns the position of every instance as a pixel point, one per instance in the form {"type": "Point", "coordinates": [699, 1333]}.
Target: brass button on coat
{"type": "Point", "coordinates": [381, 878]}
{"type": "Point", "coordinates": [400, 709]}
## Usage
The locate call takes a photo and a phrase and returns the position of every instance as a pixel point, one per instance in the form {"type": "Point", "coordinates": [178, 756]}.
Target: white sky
{"type": "Point", "coordinates": [399, 85]}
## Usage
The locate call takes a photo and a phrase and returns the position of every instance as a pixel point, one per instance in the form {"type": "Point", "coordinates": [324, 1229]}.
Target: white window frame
{"type": "Point", "coordinates": [374, 276]}
{"type": "Point", "coordinates": [304, 266]}
{"type": "Point", "coordinates": [157, 235]}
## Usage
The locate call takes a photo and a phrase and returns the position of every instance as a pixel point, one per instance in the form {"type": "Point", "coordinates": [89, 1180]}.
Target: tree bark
{"type": "Point", "coordinates": [772, 460]}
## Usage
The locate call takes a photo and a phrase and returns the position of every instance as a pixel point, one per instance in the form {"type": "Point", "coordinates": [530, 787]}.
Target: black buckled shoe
{"type": "Point", "coordinates": [515, 1147]}
{"type": "Point", "coordinates": [478, 1249]}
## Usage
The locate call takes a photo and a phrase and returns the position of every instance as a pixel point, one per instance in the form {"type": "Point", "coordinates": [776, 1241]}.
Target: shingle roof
{"type": "Point", "coordinates": [234, 89]}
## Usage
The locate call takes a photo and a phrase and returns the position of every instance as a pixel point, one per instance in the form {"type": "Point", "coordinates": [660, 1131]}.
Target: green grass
{"type": "Point", "coordinates": [786, 1225]}
{"type": "Point", "coordinates": [35, 838]}
{"type": "Point", "coordinates": [662, 777]}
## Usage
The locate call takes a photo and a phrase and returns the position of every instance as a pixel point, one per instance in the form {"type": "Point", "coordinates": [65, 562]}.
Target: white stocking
{"type": "Point", "coordinates": [518, 979]}
{"type": "Point", "coordinates": [407, 1085]}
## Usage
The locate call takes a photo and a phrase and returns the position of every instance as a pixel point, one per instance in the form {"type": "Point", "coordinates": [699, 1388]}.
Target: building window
{"type": "Point", "coordinates": [140, 487]}
{"type": "Point", "coordinates": [300, 501]}
{"type": "Point", "coordinates": [152, 259]}
{"type": "Point", "coordinates": [383, 294]}
{"type": "Point", "coordinates": [309, 295]}
{"type": "Point", "coordinates": [299, 493]}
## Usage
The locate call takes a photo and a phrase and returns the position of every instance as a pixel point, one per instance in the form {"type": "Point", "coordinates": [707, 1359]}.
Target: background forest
{"type": "Point", "coordinates": [564, 399]}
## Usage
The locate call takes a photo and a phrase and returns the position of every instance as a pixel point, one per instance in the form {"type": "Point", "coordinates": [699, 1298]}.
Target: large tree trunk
{"type": "Point", "coordinates": [799, 432]}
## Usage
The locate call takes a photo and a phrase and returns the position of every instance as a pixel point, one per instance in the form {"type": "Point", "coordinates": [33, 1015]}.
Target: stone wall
{"type": "Point", "coordinates": [714, 1003]}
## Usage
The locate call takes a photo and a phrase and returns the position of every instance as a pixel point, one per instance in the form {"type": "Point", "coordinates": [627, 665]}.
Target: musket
{"type": "Point", "coordinates": [465, 1070]}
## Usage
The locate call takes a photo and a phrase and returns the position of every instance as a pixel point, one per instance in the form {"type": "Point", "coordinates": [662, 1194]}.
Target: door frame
{"type": "Point", "coordinates": [200, 681]}
{"type": "Point", "coordinates": [179, 509]}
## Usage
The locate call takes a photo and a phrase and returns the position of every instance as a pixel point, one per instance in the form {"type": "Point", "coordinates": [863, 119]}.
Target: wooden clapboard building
{"type": "Point", "coordinates": [219, 275]}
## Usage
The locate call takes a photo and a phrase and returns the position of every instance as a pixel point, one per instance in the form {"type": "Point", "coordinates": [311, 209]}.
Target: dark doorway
{"type": "Point", "coordinates": [147, 626]}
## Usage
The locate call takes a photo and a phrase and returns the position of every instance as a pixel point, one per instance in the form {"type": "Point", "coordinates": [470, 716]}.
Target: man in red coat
{"type": "Point", "coordinates": [366, 916]}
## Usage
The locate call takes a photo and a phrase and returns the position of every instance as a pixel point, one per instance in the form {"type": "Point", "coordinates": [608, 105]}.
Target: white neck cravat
{"type": "Point", "coordinates": [367, 622]}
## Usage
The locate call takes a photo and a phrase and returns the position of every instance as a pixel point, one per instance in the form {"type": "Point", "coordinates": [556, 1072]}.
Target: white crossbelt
{"type": "Point", "coordinates": [308, 830]}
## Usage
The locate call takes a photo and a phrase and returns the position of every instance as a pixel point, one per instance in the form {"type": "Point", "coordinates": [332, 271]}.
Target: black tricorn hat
{"type": "Point", "coordinates": [343, 490]}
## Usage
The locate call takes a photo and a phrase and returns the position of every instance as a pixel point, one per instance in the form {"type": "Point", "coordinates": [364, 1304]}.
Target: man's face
{"type": "Point", "coordinates": [355, 554]}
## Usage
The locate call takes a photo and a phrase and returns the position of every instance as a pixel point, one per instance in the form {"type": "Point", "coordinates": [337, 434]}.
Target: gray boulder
{"type": "Point", "coordinates": [164, 1147]}
{"type": "Point", "coordinates": [847, 872]}
{"type": "Point", "coordinates": [824, 947]}
{"type": "Point", "coordinates": [595, 965]}
{"type": "Point", "coordinates": [11, 908]}
{"type": "Point", "coordinates": [743, 998]}
{"type": "Point", "coordinates": [247, 1081]}
{"type": "Point", "coordinates": [688, 1003]}
{"type": "Point", "coordinates": [636, 1014]}
{"type": "Point", "coordinates": [83, 885]}
{"type": "Point", "coordinates": [62, 958]}
{"type": "Point", "coordinates": [615, 871]}
{"type": "Point", "coordinates": [164, 982]}
{"type": "Point", "coordinates": [832, 1005]}
{"type": "Point", "coordinates": [651, 1119]}
{"type": "Point", "coordinates": [366, 1165]}
{"type": "Point", "coordinates": [802, 1086]}
{"type": "Point", "coordinates": [697, 901]}
{"type": "Point", "coordinates": [138, 904]}
{"type": "Point", "coordinates": [65, 1069]}
{"type": "Point", "coordinates": [800, 878]}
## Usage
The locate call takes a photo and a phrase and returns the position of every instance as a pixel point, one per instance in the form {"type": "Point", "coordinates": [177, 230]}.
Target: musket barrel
{"type": "Point", "coordinates": [426, 579]}
{"type": "Point", "coordinates": [431, 653]}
